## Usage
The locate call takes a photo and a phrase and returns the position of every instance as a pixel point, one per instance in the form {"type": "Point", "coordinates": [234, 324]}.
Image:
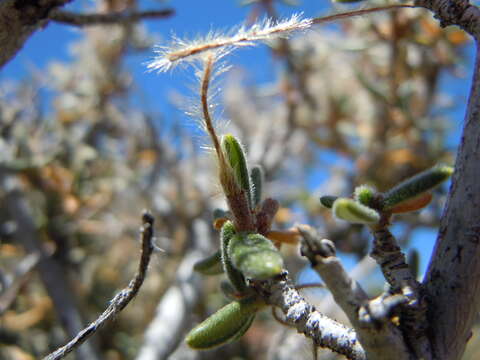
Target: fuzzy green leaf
{"type": "Point", "coordinates": [416, 185]}
{"type": "Point", "coordinates": [211, 265]}
{"type": "Point", "coordinates": [236, 158]}
{"type": "Point", "coordinates": [257, 177]}
{"type": "Point", "coordinates": [234, 275]}
{"type": "Point", "coordinates": [354, 212]}
{"type": "Point", "coordinates": [227, 324]}
{"type": "Point", "coordinates": [255, 256]}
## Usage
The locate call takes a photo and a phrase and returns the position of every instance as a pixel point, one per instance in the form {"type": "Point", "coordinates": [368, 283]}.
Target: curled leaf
{"type": "Point", "coordinates": [211, 265]}
{"type": "Point", "coordinates": [236, 158]}
{"type": "Point", "coordinates": [227, 324]}
{"type": "Point", "coordinates": [328, 200]}
{"type": "Point", "coordinates": [255, 256]}
{"type": "Point", "coordinates": [354, 212]}
{"type": "Point", "coordinates": [234, 275]}
{"type": "Point", "coordinates": [416, 185]}
{"type": "Point", "coordinates": [257, 177]}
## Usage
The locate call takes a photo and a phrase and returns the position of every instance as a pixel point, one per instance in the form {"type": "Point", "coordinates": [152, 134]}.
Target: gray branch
{"type": "Point", "coordinates": [120, 300]}
{"type": "Point", "coordinates": [452, 281]}
{"type": "Point", "coordinates": [370, 319]}
{"type": "Point", "coordinates": [117, 17]}
{"type": "Point", "coordinates": [396, 271]}
{"type": "Point", "coordinates": [324, 331]}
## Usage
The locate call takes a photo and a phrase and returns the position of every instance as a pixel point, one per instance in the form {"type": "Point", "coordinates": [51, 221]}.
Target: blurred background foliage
{"type": "Point", "coordinates": [359, 102]}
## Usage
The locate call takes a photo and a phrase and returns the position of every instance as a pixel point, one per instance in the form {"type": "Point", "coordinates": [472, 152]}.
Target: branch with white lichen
{"type": "Point", "coordinates": [371, 319]}
{"type": "Point", "coordinates": [325, 332]}
{"type": "Point", "coordinates": [396, 271]}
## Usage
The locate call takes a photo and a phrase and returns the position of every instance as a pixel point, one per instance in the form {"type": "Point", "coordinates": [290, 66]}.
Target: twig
{"type": "Point", "coordinates": [237, 199]}
{"type": "Point", "coordinates": [120, 300]}
{"type": "Point", "coordinates": [174, 311]}
{"type": "Point", "coordinates": [180, 49]}
{"type": "Point", "coordinates": [349, 14]}
{"type": "Point", "coordinates": [391, 259]}
{"type": "Point", "coordinates": [454, 12]}
{"type": "Point", "coordinates": [324, 331]}
{"type": "Point", "coordinates": [117, 17]}
{"type": "Point", "coordinates": [371, 319]}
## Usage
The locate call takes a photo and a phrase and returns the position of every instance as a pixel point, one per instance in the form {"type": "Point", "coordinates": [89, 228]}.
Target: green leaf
{"type": "Point", "coordinates": [236, 158]}
{"type": "Point", "coordinates": [416, 185]}
{"type": "Point", "coordinates": [234, 275]}
{"type": "Point", "coordinates": [257, 178]}
{"type": "Point", "coordinates": [227, 324]}
{"type": "Point", "coordinates": [328, 200]}
{"type": "Point", "coordinates": [354, 212]}
{"type": "Point", "coordinates": [211, 265]}
{"type": "Point", "coordinates": [255, 256]}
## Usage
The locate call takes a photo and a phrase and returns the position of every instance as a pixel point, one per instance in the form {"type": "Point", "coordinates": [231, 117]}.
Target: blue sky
{"type": "Point", "coordinates": [192, 18]}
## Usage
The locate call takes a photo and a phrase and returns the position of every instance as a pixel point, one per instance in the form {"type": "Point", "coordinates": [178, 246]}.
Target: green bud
{"type": "Point", "coordinates": [257, 177]}
{"type": "Point", "coordinates": [236, 158]}
{"type": "Point", "coordinates": [364, 194]}
{"type": "Point", "coordinates": [235, 276]}
{"type": "Point", "coordinates": [328, 200]}
{"type": "Point", "coordinates": [227, 324]}
{"type": "Point", "coordinates": [211, 265]}
{"type": "Point", "coordinates": [255, 256]}
{"type": "Point", "coordinates": [354, 212]}
{"type": "Point", "coordinates": [416, 185]}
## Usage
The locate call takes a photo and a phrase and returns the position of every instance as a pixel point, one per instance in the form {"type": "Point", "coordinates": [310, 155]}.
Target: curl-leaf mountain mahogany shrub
{"type": "Point", "coordinates": [367, 206]}
{"type": "Point", "coordinates": [243, 256]}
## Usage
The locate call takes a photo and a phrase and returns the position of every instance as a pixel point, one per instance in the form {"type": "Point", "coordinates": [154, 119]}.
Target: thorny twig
{"type": "Point", "coordinates": [116, 17]}
{"type": "Point", "coordinates": [120, 300]}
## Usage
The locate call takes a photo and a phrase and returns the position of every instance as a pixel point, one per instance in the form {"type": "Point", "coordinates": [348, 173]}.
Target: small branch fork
{"type": "Point", "coordinates": [371, 319]}
{"type": "Point", "coordinates": [324, 331]}
{"type": "Point", "coordinates": [116, 17]}
{"type": "Point", "coordinates": [413, 319]}
{"type": "Point", "coordinates": [120, 300]}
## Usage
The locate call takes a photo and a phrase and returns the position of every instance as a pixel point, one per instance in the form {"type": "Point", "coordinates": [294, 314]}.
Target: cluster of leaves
{"type": "Point", "coordinates": [89, 167]}
{"type": "Point", "coordinates": [246, 256]}
{"type": "Point", "coordinates": [368, 206]}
